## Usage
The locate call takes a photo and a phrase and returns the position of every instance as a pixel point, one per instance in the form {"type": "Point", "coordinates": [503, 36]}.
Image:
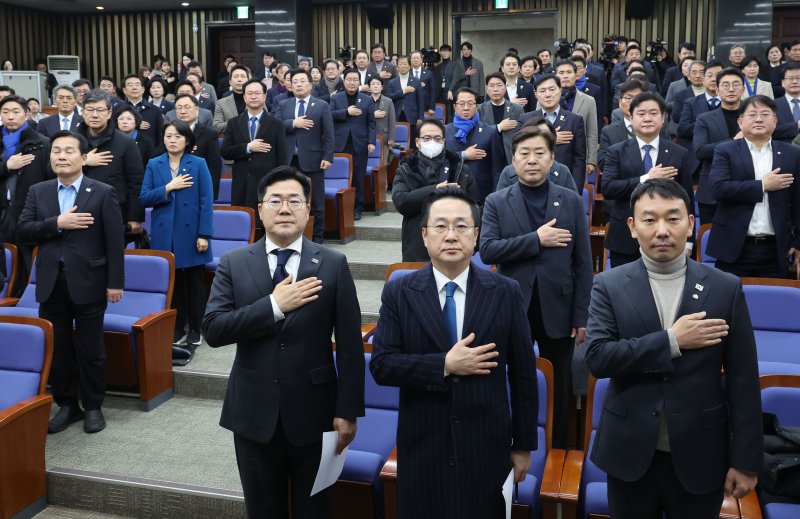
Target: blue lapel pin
{"type": "Point", "coordinates": [314, 260]}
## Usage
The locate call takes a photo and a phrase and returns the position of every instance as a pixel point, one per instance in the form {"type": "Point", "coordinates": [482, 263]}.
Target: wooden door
{"type": "Point", "coordinates": [239, 42]}
{"type": "Point", "coordinates": [785, 24]}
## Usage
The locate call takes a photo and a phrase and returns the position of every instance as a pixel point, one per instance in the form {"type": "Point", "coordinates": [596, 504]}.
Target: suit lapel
{"type": "Point", "coordinates": [258, 265]}
{"type": "Point", "coordinates": [427, 308]}
{"type": "Point", "coordinates": [695, 290]}
{"type": "Point", "coordinates": [777, 157]}
{"type": "Point", "coordinates": [310, 261]}
{"type": "Point", "coordinates": [476, 317]}
{"type": "Point", "coordinates": [664, 156]}
{"type": "Point", "coordinates": [641, 298]}
{"type": "Point", "coordinates": [634, 156]}
{"type": "Point", "coordinates": [719, 120]}
{"type": "Point", "coordinates": [83, 195]}
{"type": "Point", "coordinates": [518, 208]}
{"type": "Point", "coordinates": [553, 203]}
{"type": "Point", "coordinates": [746, 160]}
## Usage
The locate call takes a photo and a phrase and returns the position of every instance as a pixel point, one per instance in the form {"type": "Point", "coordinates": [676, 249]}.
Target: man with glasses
{"type": "Point", "coordinates": [755, 182]}
{"type": "Point", "coordinates": [788, 106]}
{"type": "Point", "coordinates": [309, 141]}
{"type": "Point", "coordinates": [281, 300]}
{"type": "Point", "coordinates": [498, 111]}
{"type": "Point", "coordinates": [354, 127]}
{"type": "Point", "coordinates": [477, 143]}
{"type": "Point", "coordinates": [429, 168]}
{"type": "Point", "coordinates": [67, 118]}
{"type": "Point", "coordinates": [113, 158]}
{"type": "Point", "coordinates": [256, 143]}
{"type": "Point", "coordinates": [714, 127]}
{"type": "Point", "coordinates": [453, 337]}
{"type": "Point", "coordinates": [537, 234]}
{"type": "Point", "coordinates": [204, 115]}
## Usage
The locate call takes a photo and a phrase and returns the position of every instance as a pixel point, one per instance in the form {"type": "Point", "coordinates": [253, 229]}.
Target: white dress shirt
{"type": "Point", "coordinates": [460, 295]}
{"type": "Point", "coordinates": [297, 105]}
{"type": "Point", "coordinates": [68, 118]}
{"type": "Point", "coordinates": [761, 221]}
{"type": "Point", "coordinates": [653, 155]}
{"type": "Point", "coordinates": [403, 81]}
{"type": "Point", "coordinates": [511, 90]}
{"type": "Point", "coordinates": [292, 266]}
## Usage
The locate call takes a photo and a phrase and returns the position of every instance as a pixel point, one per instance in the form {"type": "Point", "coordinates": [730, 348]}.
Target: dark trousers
{"type": "Point", "coordinates": [659, 491]}
{"type": "Point", "coordinates": [619, 258]}
{"type": "Point", "coordinates": [559, 352]}
{"type": "Point", "coordinates": [84, 351]}
{"type": "Point", "coordinates": [189, 298]}
{"type": "Point", "coordinates": [317, 198]}
{"type": "Point", "coordinates": [266, 469]}
{"type": "Point", "coordinates": [757, 260]}
{"type": "Point", "coordinates": [706, 212]}
{"type": "Point", "coordinates": [359, 168]}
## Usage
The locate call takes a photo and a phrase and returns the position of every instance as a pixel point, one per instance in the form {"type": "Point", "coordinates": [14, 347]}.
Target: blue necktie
{"type": "Point", "coordinates": [796, 109]}
{"type": "Point", "coordinates": [253, 121]}
{"type": "Point", "coordinates": [280, 269]}
{"type": "Point", "coordinates": [449, 312]}
{"type": "Point", "coordinates": [301, 110]}
{"type": "Point", "coordinates": [647, 160]}
{"type": "Point", "coordinates": [65, 124]}
{"type": "Point", "coordinates": [66, 197]}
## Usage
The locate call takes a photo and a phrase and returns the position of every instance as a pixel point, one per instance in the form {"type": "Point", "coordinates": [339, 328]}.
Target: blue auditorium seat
{"type": "Point", "coordinates": [11, 257]}
{"type": "Point", "coordinates": [224, 196]}
{"type": "Point", "coordinates": [702, 244]}
{"type": "Point", "coordinates": [375, 180]}
{"type": "Point", "coordinates": [340, 198]}
{"type": "Point", "coordinates": [774, 314]}
{"type": "Point", "coordinates": [234, 227]}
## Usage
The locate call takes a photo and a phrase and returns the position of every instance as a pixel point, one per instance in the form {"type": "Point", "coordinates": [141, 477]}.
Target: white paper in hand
{"type": "Point", "coordinates": [508, 493]}
{"type": "Point", "coordinates": [330, 464]}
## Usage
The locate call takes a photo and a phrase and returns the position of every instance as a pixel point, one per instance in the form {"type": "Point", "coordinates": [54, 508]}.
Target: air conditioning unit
{"type": "Point", "coordinates": [66, 69]}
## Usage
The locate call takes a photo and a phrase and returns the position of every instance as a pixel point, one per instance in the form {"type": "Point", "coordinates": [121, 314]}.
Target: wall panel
{"type": "Point", "coordinates": [27, 34]}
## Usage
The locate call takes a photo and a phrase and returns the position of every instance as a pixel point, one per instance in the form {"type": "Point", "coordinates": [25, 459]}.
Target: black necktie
{"type": "Point", "coordinates": [280, 269]}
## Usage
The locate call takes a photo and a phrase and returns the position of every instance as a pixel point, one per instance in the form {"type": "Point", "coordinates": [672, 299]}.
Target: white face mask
{"type": "Point", "coordinates": [431, 148]}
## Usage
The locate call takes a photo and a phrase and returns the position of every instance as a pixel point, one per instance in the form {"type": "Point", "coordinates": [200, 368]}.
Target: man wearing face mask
{"type": "Point", "coordinates": [427, 169]}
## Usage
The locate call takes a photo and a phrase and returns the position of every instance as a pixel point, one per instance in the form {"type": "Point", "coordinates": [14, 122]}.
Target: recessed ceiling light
{"type": "Point", "coordinates": [99, 7]}
{"type": "Point", "coordinates": [185, 4]}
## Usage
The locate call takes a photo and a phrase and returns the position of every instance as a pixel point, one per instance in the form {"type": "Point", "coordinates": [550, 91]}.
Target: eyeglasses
{"type": "Point", "coordinates": [791, 79]}
{"type": "Point", "coordinates": [429, 138]}
{"type": "Point", "coordinates": [730, 86]}
{"type": "Point", "coordinates": [441, 228]}
{"type": "Point", "coordinates": [757, 115]}
{"type": "Point", "coordinates": [98, 111]}
{"type": "Point", "coordinates": [275, 203]}
{"type": "Point", "coordinates": [627, 99]}
{"type": "Point", "coordinates": [466, 104]}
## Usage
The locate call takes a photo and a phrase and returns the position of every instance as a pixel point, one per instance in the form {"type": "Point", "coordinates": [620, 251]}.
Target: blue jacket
{"type": "Point", "coordinates": [182, 216]}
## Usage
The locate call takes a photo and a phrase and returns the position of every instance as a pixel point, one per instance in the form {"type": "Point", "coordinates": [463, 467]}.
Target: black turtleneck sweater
{"type": "Point", "coordinates": [731, 120]}
{"type": "Point", "coordinates": [239, 100]}
{"type": "Point", "coordinates": [535, 203]}
{"type": "Point", "coordinates": [497, 112]}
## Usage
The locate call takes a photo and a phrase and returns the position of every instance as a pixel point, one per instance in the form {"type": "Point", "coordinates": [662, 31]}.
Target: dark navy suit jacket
{"type": "Point", "coordinates": [610, 135]}
{"type": "Point", "coordinates": [361, 128]}
{"type": "Point", "coordinates": [321, 90]}
{"type": "Point", "coordinates": [733, 184]}
{"type": "Point", "coordinates": [51, 125]}
{"type": "Point", "coordinates": [572, 155]}
{"type": "Point", "coordinates": [314, 144]}
{"type": "Point", "coordinates": [525, 90]}
{"type": "Point", "coordinates": [710, 130]}
{"type": "Point", "coordinates": [787, 128]}
{"type": "Point", "coordinates": [413, 104]}
{"type": "Point", "coordinates": [712, 426]}
{"type": "Point", "coordinates": [486, 171]}
{"type": "Point", "coordinates": [443, 418]}
{"type": "Point", "coordinates": [623, 167]}
{"type": "Point", "coordinates": [562, 275]}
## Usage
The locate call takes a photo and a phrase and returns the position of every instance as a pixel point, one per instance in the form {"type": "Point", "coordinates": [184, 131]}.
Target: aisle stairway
{"type": "Point", "coordinates": [175, 461]}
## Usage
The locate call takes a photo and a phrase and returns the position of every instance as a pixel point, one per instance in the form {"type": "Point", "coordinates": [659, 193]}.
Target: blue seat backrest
{"type": "Point", "coordinates": [587, 201]}
{"type": "Point", "coordinates": [782, 401]}
{"type": "Point", "coordinates": [8, 260]}
{"type": "Point", "coordinates": [591, 472]}
{"type": "Point", "coordinates": [378, 397]}
{"type": "Point", "coordinates": [400, 273]}
{"type": "Point", "coordinates": [478, 261]}
{"type": "Point", "coordinates": [704, 257]}
{"type": "Point", "coordinates": [22, 356]}
{"type": "Point", "coordinates": [401, 135]}
{"type": "Point", "coordinates": [148, 219]}
{"type": "Point", "coordinates": [146, 286]}
{"type": "Point", "coordinates": [231, 225]}
{"type": "Point", "coordinates": [438, 113]}
{"type": "Point", "coordinates": [28, 298]}
{"type": "Point", "coordinates": [338, 175]}
{"type": "Point", "coordinates": [224, 196]}
{"type": "Point", "coordinates": [773, 308]}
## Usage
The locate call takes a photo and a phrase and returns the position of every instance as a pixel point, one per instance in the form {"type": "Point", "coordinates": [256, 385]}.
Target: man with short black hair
{"type": "Point", "coordinates": [518, 91]}
{"type": "Point", "coordinates": [788, 106]}
{"type": "Point", "coordinates": [467, 72]}
{"type": "Point", "coordinates": [406, 92]}
{"type": "Point", "coordinates": [205, 90]}
{"type": "Point", "coordinates": [580, 104]}
{"type": "Point", "coordinates": [499, 112]}
{"type": "Point", "coordinates": [686, 50]}
{"type": "Point", "coordinates": [82, 87]}
{"type": "Point", "coordinates": [756, 183]}
{"type": "Point", "coordinates": [152, 118]}
{"type": "Point", "coordinates": [330, 83]}
{"type": "Point", "coordinates": [379, 66]}
{"type": "Point", "coordinates": [235, 104]}
{"type": "Point", "coordinates": [633, 52]}
{"type": "Point", "coordinates": [430, 90]}
{"type": "Point", "coordinates": [620, 131]}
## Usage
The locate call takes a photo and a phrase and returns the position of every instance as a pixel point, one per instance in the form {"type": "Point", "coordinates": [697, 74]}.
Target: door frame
{"type": "Point", "coordinates": [458, 16]}
{"type": "Point", "coordinates": [212, 44]}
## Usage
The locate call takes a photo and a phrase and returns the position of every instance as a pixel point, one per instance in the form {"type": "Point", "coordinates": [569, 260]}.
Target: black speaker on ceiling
{"type": "Point", "coordinates": [380, 14]}
{"type": "Point", "coordinates": [639, 9]}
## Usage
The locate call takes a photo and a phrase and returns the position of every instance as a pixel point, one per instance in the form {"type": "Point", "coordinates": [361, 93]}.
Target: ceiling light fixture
{"type": "Point", "coordinates": [99, 7]}
{"type": "Point", "coordinates": [185, 4]}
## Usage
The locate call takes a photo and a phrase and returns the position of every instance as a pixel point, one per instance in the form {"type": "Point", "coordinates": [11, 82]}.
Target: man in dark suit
{"type": "Point", "coordinates": [634, 161]}
{"type": "Point", "coordinates": [281, 300]}
{"type": "Point", "coordinates": [67, 118]}
{"type": "Point", "coordinates": [406, 92]}
{"type": "Point", "coordinates": [673, 434]}
{"type": "Point", "coordinates": [77, 225]}
{"type": "Point", "coordinates": [330, 83]}
{"type": "Point", "coordinates": [430, 89]}
{"type": "Point", "coordinates": [518, 91]}
{"type": "Point", "coordinates": [114, 157]}
{"type": "Point", "coordinates": [570, 131]}
{"type": "Point", "coordinates": [584, 85]}
{"type": "Point", "coordinates": [205, 117]}
{"type": "Point", "coordinates": [467, 72]}
{"type": "Point", "coordinates": [713, 127]}
{"type": "Point", "coordinates": [537, 234]}
{"type": "Point", "coordinates": [309, 141]}
{"type": "Point", "coordinates": [479, 144]}
{"type": "Point", "coordinates": [619, 131]}
{"type": "Point", "coordinates": [379, 66]}
{"type": "Point", "coordinates": [756, 182]}
{"type": "Point", "coordinates": [24, 162]}
{"type": "Point", "coordinates": [453, 337]}
{"type": "Point", "coordinates": [152, 117]}
{"type": "Point", "coordinates": [362, 65]}
{"type": "Point", "coordinates": [354, 127]}
{"type": "Point", "coordinates": [256, 143]}
{"type": "Point", "coordinates": [686, 51]}
{"type": "Point", "coordinates": [499, 112]}
{"type": "Point", "coordinates": [633, 53]}
{"type": "Point", "coordinates": [789, 105]}
{"type": "Point", "coordinates": [688, 107]}
{"type": "Point", "coordinates": [206, 140]}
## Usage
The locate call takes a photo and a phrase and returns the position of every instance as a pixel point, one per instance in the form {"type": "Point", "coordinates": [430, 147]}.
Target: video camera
{"type": "Point", "coordinates": [608, 53]}
{"type": "Point", "coordinates": [347, 53]}
{"type": "Point", "coordinates": [564, 48]}
{"type": "Point", "coordinates": [430, 56]}
{"type": "Point", "coordinates": [654, 48]}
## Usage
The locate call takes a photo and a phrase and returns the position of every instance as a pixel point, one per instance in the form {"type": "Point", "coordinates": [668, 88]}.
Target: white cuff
{"type": "Point", "coordinates": [674, 348]}
{"type": "Point", "coordinates": [644, 178]}
{"type": "Point", "coordinates": [276, 311]}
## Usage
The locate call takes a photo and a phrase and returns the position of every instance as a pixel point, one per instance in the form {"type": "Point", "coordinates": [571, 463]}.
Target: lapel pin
{"type": "Point", "coordinates": [312, 104]}
{"type": "Point", "coordinates": [779, 153]}
{"type": "Point", "coordinates": [446, 169]}
{"type": "Point", "coordinates": [555, 173]}
{"type": "Point", "coordinates": [88, 189]}
{"type": "Point", "coordinates": [480, 130]}
{"type": "Point", "coordinates": [358, 100]}
{"type": "Point", "coordinates": [695, 296]}
{"type": "Point", "coordinates": [555, 204]}
{"type": "Point", "coordinates": [561, 118]}
{"type": "Point", "coordinates": [666, 151]}
{"type": "Point", "coordinates": [314, 260]}
{"type": "Point", "coordinates": [699, 287]}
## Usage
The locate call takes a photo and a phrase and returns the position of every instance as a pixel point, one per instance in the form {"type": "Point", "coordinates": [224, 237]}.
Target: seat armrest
{"type": "Point", "coordinates": [8, 415]}
{"type": "Point", "coordinates": [9, 301]}
{"type": "Point", "coordinates": [150, 320]}
{"type": "Point", "coordinates": [389, 480]}
{"type": "Point", "coordinates": [729, 508]}
{"type": "Point", "coordinates": [571, 478]}
{"type": "Point", "coordinates": [551, 479]}
{"type": "Point", "coordinates": [749, 507]}
{"type": "Point", "coordinates": [389, 470]}
{"type": "Point", "coordinates": [367, 331]}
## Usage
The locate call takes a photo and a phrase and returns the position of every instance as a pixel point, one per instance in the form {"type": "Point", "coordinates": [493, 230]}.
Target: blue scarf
{"type": "Point", "coordinates": [465, 126]}
{"type": "Point", "coordinates": [581, 83]}
{"type": "Point", "coordinates": [11, 140]}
